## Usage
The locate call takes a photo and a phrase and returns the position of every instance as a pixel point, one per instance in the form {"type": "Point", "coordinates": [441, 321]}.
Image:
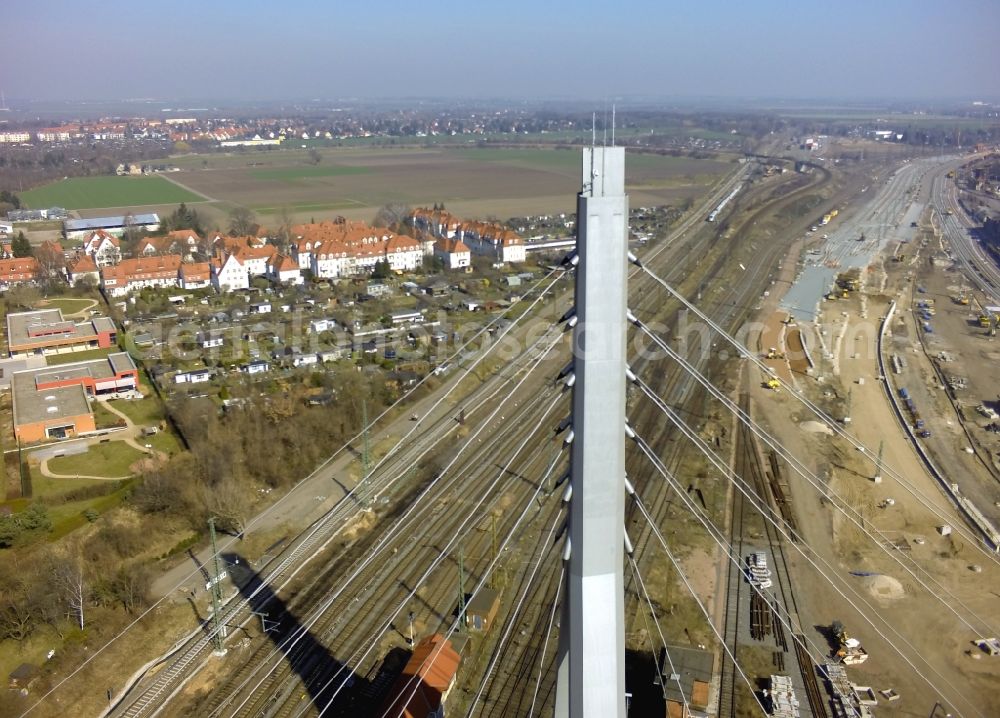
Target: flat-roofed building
{"type": "Point", "coordinates": [54, 402]}
{"type": "Point", "coordinates": [116, 225]}
{"type": "Point", "coordinates": [45, 331]}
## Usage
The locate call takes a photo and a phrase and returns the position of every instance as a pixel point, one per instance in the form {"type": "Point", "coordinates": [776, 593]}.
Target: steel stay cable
{"type": "Point", "coordinates": [548, 634]}
{"type": "Point", "coordinates": [809, 476]}
{"type": "Point", "coordinates": [712, 529]}
{"type": "Point", "coordinates": [680, 572]}
{"type": "Point", "coordinates": [818, 412]}
{"type": "Point", "coordinates": [547, 545]}
{"type": "Point", "coordinates": [443, 553]}
{"type": "Point", "coordinates": [649, 602]}
{"type": "Point", "coordinates": [415, 507]}
{"type": "Point", "coordinates": [124, 631]}
{"type": "Point", "coordinates": [484, 576]}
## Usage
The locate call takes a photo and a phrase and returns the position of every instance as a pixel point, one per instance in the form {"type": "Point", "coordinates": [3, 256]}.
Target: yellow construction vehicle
{"type": "Point", "coordinates": [984, 321]}
{"type": "Point", "coordinates": [773, 353]}
{"type": "Point", "coordinates": [773, 384]}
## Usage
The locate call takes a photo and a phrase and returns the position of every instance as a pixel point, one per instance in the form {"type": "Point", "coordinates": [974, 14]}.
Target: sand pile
{"type": "Point", "coordinates": [815, 427]}
{"type": "Point", "coordinates": [885, 588]}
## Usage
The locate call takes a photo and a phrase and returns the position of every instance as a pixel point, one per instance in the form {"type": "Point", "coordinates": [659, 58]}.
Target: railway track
{"type": "Point", "coordinates": [337, 639]}
{"type": "Point", "coordinates": [345, 625]}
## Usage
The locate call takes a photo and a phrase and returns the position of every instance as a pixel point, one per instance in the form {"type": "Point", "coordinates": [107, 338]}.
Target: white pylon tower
{"type": "Point", "coordinates": [591, 661]}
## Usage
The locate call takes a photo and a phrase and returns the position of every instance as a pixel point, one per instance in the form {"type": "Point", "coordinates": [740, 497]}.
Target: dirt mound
{"type": "Point", "coordinates": [884, 588]}
{"type": "Point", "coordinates": [815, 427]}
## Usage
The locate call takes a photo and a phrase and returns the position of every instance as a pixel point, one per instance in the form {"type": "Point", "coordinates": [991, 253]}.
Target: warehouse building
{"type": "Point", "coordinates": [80, 228]}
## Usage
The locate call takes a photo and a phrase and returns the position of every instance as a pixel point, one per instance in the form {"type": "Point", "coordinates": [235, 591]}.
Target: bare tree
{"type": "Point", "coordinates": [230, 502]}
{"type": "Point", "coordinates": [392, 215]}
{"type": "Point", "coordinates": [68, 577]}
{"type": "Point", "coordinates": [242, 222]}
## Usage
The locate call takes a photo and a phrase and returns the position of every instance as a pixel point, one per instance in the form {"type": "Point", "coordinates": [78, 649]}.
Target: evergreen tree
{"type": "Point", "coordinates": [21, 246]}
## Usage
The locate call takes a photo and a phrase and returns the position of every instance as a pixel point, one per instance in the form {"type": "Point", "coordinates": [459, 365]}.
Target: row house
{"type": "Point", "coordinates": [485, 238]}
{"type": "Point", "coordinates": [132, 274]}
{"type": "Point", "coordinates": [103, 248]}
{"type": "Point", "coordinates": [195, 275]}
{"type": "Point", "coordinates": [255, 259]}
{"type": "Point", "coordinates": [14, 137]}
{"type": "Point", "coordinates": [18, 270]}
{"type": "Point", "coordinates": [341, 248]}
{"type": "Point", "coordinates": [184, 242]}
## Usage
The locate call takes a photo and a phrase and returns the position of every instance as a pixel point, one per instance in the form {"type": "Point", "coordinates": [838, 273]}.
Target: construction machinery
{"type": "Point", "coordinates": [849, 651]}
{"type": "Point", "coordinates": [773, 384]}
{"type": "Point", "coordinates": [773, 353]}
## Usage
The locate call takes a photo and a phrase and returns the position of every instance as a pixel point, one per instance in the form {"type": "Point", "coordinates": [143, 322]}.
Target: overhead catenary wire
{"type": "Point", "coordinates": [694, 594]}
{"type": "Point", "coordinates": [483, 578]}
{"type": "Point", "coordinates": [484, 330]}
{"type": "Point", "coordinates": [882, 466]}
{"type": "Point", "coordinates": [939, 591]}
{"type": "Point", "coordinates": [547, 546]}
{"type": "Point", "coordinates": [415, 508]}
{"type": "Point", "coordinates": [727, 547]}
{"type": "Point", "coordinates": [716, 534]}
{"type": "Point", "coordinates": [545, 643]}
{"type": "Point", "coordinates": [637, 577]}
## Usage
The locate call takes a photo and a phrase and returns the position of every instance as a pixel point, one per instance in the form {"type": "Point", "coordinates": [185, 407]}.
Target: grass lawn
{"type": "Point", "coordinates": [96, 192]}
{"type": "Point", "coordinates": [67, 305]}
{"type": "Point", "coordinates": [294, 173]}
{"type": "Point", "coordinates": [53, 359]}
{"type": "Point", "coordinates": [142, 412]}
{"type": "Point", "coordinates": [103, 418]}
{"type": "Point", "coordinates": [111, 459]}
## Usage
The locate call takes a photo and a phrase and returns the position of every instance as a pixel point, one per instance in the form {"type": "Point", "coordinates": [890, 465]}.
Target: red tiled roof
{"type": "Point", "coordinates": [432, 667]}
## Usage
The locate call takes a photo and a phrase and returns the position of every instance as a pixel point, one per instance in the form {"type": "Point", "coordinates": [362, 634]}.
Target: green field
{"type": "Point", "coordinates": [98, 192]}
{"type": "Point", "coordinates": [111, 459]}
{"type": "Point", "coordinates": [294, 173]}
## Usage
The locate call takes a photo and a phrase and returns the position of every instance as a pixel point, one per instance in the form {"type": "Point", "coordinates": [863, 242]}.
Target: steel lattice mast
{"type": "Point", "coordinates": [591, 662]}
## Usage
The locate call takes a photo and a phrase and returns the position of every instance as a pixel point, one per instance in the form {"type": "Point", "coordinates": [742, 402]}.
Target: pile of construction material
{"type": "Point", "coordinates": [758, 573]}
{"type": "Point", "coordinates": [783, 703]}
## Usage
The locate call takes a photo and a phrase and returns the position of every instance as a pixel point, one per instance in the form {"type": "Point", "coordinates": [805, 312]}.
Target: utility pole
{"type": "Point", "coordinates": [590, 679]}
{"type": "Point", "coordinates": [461, 590]}
{"type": "Point", "coordinates": [218, 627]}
{"type": "Point", "coordinates": [410, 639]}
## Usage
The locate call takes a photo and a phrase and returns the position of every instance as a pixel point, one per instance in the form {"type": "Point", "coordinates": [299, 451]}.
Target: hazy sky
{"type": "Point", "coordinates": [113, 49]}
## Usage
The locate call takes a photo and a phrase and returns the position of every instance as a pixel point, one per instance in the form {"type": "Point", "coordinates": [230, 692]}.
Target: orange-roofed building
{"type": "Point", "coordinates": [254, 259]}
{"type": "Point", "coordinates": [426, 682]}
{"type": "Point", "coordinates": [195, 275]}
{"type": "Point", "coordinates": [83, 267]}
{"type": "Point", "coordinates": [18, 270]}
{"type": "Point", "coordinates": [284, 270]}
{"type": "Point", "coordinates": [343, 248]}
{"type": "Point", "coordinates": [103, 247]}
{"type": "Point", "coordinates": [453, 252]}
{"type": "Point", "coordinates": [132, 274]}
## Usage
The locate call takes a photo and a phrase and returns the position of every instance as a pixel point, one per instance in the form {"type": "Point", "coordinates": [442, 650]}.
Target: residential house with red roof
{"type": "Point", "coordinates": [18, 270]}
{"type": "Point", "coordinates": [454, 253]}
{"type": "Point", "coordinates": [284, 270]}
{"type": "Point", "coordinates": [229, 274]}
{"type": "Point", "coordinates": [130, 275]}
{"type": "Point", "coordinates": [83, 267]}
{"type": "Point", "coordinates": [104, 248]}
{"type": "Point", "coordinates": [343, 248]}
{"type": "Point", "coordinates": [491, 239]}
{"type": "Point", "coordinates": [195, 275]}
